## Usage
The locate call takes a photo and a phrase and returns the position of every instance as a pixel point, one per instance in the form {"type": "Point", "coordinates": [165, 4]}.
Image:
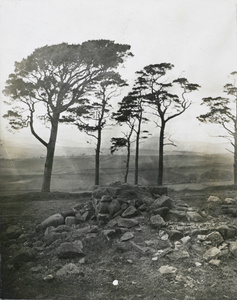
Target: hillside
{"type": "Point", "coordinates": [77, 173]}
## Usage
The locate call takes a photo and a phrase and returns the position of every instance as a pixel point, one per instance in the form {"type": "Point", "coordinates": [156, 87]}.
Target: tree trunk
{"type": "Point", "coordinates": [127, 162]}
{"type": "Point", "coordinates": [161, 155]}
{"type": "Point", "coordinates": [137, 152]}
{"type": "Point", "coordinates": [48, 167]}
{"type": "Point", "coordinates": [235, 146]}
{"type": "Point", "coordinates": [97, 158]}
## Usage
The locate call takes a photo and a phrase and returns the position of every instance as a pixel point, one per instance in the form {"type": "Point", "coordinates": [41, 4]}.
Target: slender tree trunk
{"type": "Point", "coordinates": [235, 146]}
{"type": "Point", "coordinates": [127, 162]}
{"type": "Point", "coordinates": [48, 167]}
{"type": "Point", "coordinates": [97, 158]}
{"type": "Point", "coordinates": [137, 152]}
{"type": "Point", "coordinates": [161, 155]}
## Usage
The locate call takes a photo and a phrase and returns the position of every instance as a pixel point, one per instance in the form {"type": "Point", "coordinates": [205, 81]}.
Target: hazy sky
{"type": "Point", "coordinates": [197, 36]}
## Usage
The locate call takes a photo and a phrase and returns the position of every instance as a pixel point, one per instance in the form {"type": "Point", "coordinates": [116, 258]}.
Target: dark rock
{"type": "Point", "coordinates": [193, 216]}
{"type": "Point", "coordinates": [130, 212]}
{"type": "Point", "coordinates": [79, 218]}
{"type": "Point", "coordinates": [227, 232]}
{"type": "Point", "coordinates": [54, 220]}
{"type": "Point", "coordinates": [163, 201]}
{"type": "Point", "coordinates": [215, 238]}
{"type": "Point", "coordinates": [70, 220]}
{"type": "Point", "coordinates": [176, 216]}
{"type": "Point", "coordinates": [157, 221]}
{"type": "Point", "coordinates": [106, 198]}
{"type": "Point", "coordinates": [24, 255]}
{"type": "Point", "coordinates": [14, 231]}
{"type": "Point", "coordinates": [162, 211]}
{"type": "Point", "coordinates": [68, 213]}
{"type": "Point", "coordinates": [175, 235]}
{"type": "Point", "coordinates": [114, 207]}
{"type": "Point", "coordinates": [52, 237]}
{"type": "Point", "coordinates": [69, 250]}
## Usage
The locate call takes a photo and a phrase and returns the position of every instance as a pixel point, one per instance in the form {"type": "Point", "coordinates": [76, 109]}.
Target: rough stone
{"type": "Point", "coordinates": [13, 231]}
{"type": "Point", "coordinates": [68, 269]}
{"type": "Point", "coordinates": [24, 255]}
{"type": "Point", "coordinates": [130, 212]}
{"type": "Point", "coordinates": [157, 221]}
{"type": "Point", "coordinates": [211, 253]}
{"type": "Point", "coordinates": [70, 221]}
{"type": "Point", "coordinates": [52, 237]}
{"type": "Point", "coordinates": [69, 250]}
{"type": "Point", "coordinates": [79, 218]}
{"type": "Point", "coordinates": [174, 235]}
{"type": "Point", "coordinates": [233, 248]}
{"type": "Point", "coordinates": [127, 223]}
{"type": "Point", "coordinates": [178, 254]}
{"type": "Point", "coordinates": [230, 201]}
{"type": "Point", "coordinates": [54, 220]}
{"type": "Point", "coordinates": [176, 216]}
{"type": "Point", "coordinates": [114, 207]}
{"type": "Point", "coordinates": [215, 262]}
{"type": "Point", "coordinates": [162, 211]}
{"type": "Point", "coordinates": [68, 213]}
{"type": "Point", "coordinates": [214, 199]}
{"type": "Point", "coordinates": [227, 232]}
{"type": "Point", "coordinates": [163, 201]}
{"type": "Point", "coordinates": [215, 238]}
{"type": "Point", "coordinates": [127, 236]}
{"type": "Point", "coordinates": [167, 269]}
{"type": "Point", "coordinates": [106, 198]}
{"type": "Point", "coordinates": [193, 216]}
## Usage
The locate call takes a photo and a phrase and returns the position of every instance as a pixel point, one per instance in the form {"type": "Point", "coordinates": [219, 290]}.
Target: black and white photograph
{"type": "Point", "coordinates": [118, 149]}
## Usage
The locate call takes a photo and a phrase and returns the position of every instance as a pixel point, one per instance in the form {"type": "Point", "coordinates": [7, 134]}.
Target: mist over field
{"type": "Point", "coordinates": [76, 173]}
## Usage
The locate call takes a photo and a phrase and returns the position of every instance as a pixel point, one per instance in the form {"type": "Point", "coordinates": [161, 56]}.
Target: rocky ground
{"type": "Point", "coordinates": [120, 242]}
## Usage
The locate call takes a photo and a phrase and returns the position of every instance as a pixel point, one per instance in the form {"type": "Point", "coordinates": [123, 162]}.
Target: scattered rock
{"type": "Point", "coordinates": [215, 238]}
{"type": "Point", "coordinates": [227, 232]}
{"type": "Point", "coordinates": [176, 216]}
{"type": "Point", "coordinates": [157, 221]}
{"type": "Point", "coordinates": [215, 262]}
{"type": "Point", "coordinates": [24, 255]}
{"type": "Point", "coordinates": [211, 253]}
{"type": "Point", "coordinates": [69, 221]}
{"type": "Point", "coordinates": [54, 220]}
{"type": "Point", "coordinates": [127, 223]}
{"type": "Point", "coordinates": [68, 213]}
{"type": "Point", "coordinates": [69, 250]}
{"type": "Point", "coordinates": [178, 254]}
{"type": "Point", "coordinates": [69, 269]}
{"type": "Point", "coordinates": [174, 235]}
{"type": "Point", "coordinates": [167, 269]}
{"type": "Point", "coordinates": [130, 212]}
{"type": "Point", "coordinates": [193, 216]}
{"type": "Point", "coordinates": [233, 248]}
{"type": "Point", "coordinates": [127, 236]}
{"type": "Point", "coordinates": [230, 201]}
{"type": "Point", "coordinates": [214, 199]}
{"type": "Point", "coordinates": [14, 231]}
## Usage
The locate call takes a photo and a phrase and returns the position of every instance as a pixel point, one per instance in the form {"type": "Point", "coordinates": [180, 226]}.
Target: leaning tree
{"type": "Point", "coordinates": [52, 79]}
{"type": "Point", "coordinates": [164, 101]}
{"type": "Point", "coordinates": [223, 111]}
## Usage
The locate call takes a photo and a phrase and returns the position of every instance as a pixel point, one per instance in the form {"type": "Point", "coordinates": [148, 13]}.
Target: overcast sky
{"type": "Point", "coordinates": [197, 36]}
